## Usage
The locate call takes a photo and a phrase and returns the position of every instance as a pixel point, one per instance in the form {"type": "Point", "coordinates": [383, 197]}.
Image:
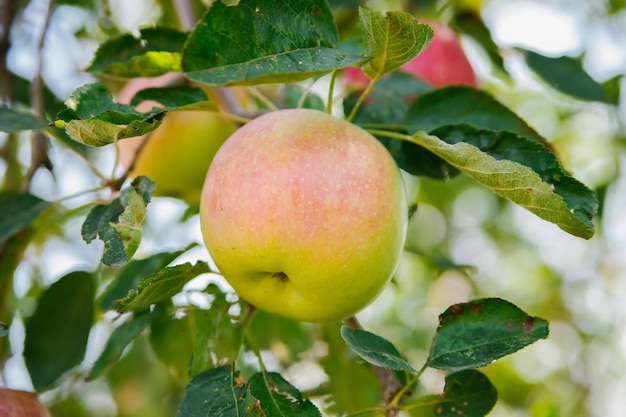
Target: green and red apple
{"type": "Point", "coordinates": [18, 403]}
{"type": "Point", "coordinates": [304, 214]}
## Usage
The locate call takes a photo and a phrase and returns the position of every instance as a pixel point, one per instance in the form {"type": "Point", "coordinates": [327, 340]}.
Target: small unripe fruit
{"type": "Point", "coordinates": [304, 214]}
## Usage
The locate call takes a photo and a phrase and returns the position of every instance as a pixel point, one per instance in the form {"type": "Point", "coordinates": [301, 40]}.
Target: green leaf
{"type": "Point", "coordinates": [463, 105]}
{"type": "Point", "coordinates": [128, 225]}
{"type": "Point", "coordinates": [476, 333]}
{"type": "Point", "coordinates": [118, 340]}
{"type": "Point", "coordinates": [12, 121]}
{"type": "Point", "coordinates": [100, 220]}
{"type": "Point", "coordinates": [57, 333]}
{"type": "Point", "coordinates": [173, 97]}
{"type": "Point", "coordinates": [293, 96]}
{"type": "Point", "coordinates": [172, 342]}
{"type": "Point", "coordinates": [520, 184]}
{"type": "Point", "coordinates": [19, 210]}
{"type": "Point", "coordinates": [161, 286]}
{"type": "Point", "coordinates": [466, 394]}
{"type": "Point", "coordinates": [218, 392]}
{"type": "Point", "coordinates": [391, 39]}
{"type": "Point", "coordinates": [258, 42]}
{"type": "Point", "coordinates": [155, 51]}
{"type": "Point", "coordinates": [471, 23]}
{"type": "Point", "coordinates": [217, 338]}
{"type": "Point", "coordinates": [4, 329]}
{"type": "Point", "coordinates": [567, 75]}
{"type": "Point", "coordinates": [94, 132]}
{"type": "Point", "coordinates": [277, 397]}
{"type": "Point", "coordinates": [133, 272]}
{"type": "Point", "coordinates": [375, 349]}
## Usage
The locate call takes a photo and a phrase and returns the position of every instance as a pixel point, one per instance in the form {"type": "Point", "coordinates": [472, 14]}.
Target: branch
{"type": "Point", "coordinates": [389, 384]}
{"type": "Point", "coordinates": [9, 10]}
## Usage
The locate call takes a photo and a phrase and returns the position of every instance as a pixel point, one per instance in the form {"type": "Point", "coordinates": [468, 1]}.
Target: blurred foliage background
{"type": "Point", "coordinates": [464, 242]}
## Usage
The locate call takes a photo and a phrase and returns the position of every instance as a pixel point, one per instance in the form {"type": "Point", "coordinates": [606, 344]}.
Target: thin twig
{"type": "Point", "coordinates": [184, 11]}
{"type": "Point", "coordinates": [39, 143]}
{"type": "Point", "coordinates": [9, 10]}
{"type": "Point", "coordinates": [389, 384]}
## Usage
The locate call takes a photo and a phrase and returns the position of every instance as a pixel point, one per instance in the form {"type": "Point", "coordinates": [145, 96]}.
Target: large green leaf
{"type": "Point", "coordinates": [466, 394]}
{"type": "Point", "coordinates": [266, 41]}
{"type": "Point", "coordinates": [57, 333]}
{"type": "Point", "coordinates": [521, 184]}
{"type": "Point", "coordinates": [161, 286]}
{"type": "Point", "coordinates": [277, 397]}
{"type": "Point", "coordinates": [12, 121]}
{"type": "Point", "coordinates": [391, 39]}
{"type": "Point", "coordinates": [375, 349]}
{"type": "Point", "coordinates": [155, 51]}
{"type": "Point", "coordinates": [476, 333]}
{"type": "Point", "coordinates": [19, 210]}
{"type": "Point", "coordinates": [218, 392]}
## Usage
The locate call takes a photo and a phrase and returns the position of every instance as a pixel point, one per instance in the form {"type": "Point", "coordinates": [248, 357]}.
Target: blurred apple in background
{"type": "Point", "coordinates": [304, 214]}
{"type": "Point", "coordinates": [16, 403]}
{"type": "Point", "coordinates": [442, 63]}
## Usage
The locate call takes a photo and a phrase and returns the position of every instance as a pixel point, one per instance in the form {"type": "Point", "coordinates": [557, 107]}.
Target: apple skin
{"type": "Point", "coordinates": [179, 152]}
{"type": "Point", "coordinates": [17, 403]}
{"type": "Point", "coordinates": [304, 214]}
{"type": "Point", "coordinates": [442, 63]}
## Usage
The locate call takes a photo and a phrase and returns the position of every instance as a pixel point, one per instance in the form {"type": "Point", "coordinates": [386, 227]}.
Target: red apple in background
{"type": "Point", "coordinates": [442, 63]}
{"type": "Point", "coordinates": [17, 403]}
{"type": "Point", "coordinates": [304, 214]}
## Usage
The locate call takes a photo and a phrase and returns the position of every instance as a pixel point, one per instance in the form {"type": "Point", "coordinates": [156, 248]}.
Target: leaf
{"type": "Point", "coordinates": [94, 132]}
{"type": "Point", "coordinates": [128, 225]}
{"type": "Point", "coordinates": [519, 184]}
{"type": "Point", "coordinates": [172, 342]}
{"type": "Point", "coordinates": [464, 105]}
{"type": "Point", "coordinates": [258, 42]}
{"type": "Point", "coordinates": [99, 220]}
{"type": "Point", "coordinates": [57, 333]}
{"type": "Point", "coordinates": [19, 210]}
{"type": "Point", "coordinates": [173, 97]}
{"type": "Point", "coordinates": [567, 75]}
{"type": "Point", "coordinates": [391, 39]}
{"type": "Point", "coordinates": [118, 340]}
{"type": "Point", "coordinates": [12, 121]}
{"type": "Point", "coordinates": [4, 329]}
{"type": "Point", "coordinates": [155, 51]}
{"type": "Point", "coordinates": [161, 286]}
{"type": "Point", "coordinates": [218, 392]}
{"type": "Point", "coordinates": [277, 397]}
{"type": "Point", "coordinates": [471, 23]}
{"type": "Point", "coordinates": [476, 333]}
{"type": "Point", "coordinates": [466, 394]}
{"type": "Point", "coordinates": [375, 349]}
{"type": "Point", "coordinates": [132, 273]}
{"type": "Point", "coordinates": [218, 338]}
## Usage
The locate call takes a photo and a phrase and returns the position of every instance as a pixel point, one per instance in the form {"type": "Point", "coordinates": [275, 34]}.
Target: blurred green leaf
{"type": "Point", "coordinates": [467, 394]}
{"type": "Point", "coordinates": [118, 340]}
{"type": "Point", "coordinates": [277, 397]}
{"type": "Point", "coordinates": [4, 329]}
{"type": "Point", "coordinates": [161, 286]}
{"type": "Point", "coordinates": [155, 51]}
{"type": "Point", "coordinates": [217, 337]}
{"type": "Point", "coordinates": [472, 24]}
{"type": "Point", "coordinates": [520, 184]}
{"type": "Point", "coordinates": [173, 97]}
{"type": "Point", "coordinates": [216, 392]}
{"type": "Point", "coordinates": [266, 41]}
{"type": "Point", "coordinates": [130, 275]}
{"type": "Point", "coordinates": [476, 333]}
{"type": "Point", "coordinates": [12, 121]}
{"type": "Point", "coordinates": [375, 349]}
{"type": "Point", "coordinates": [567, 75]}
{"type": "Point", "coordinates": [19, 210]}
{"type": "Point", "coordinates": [293, 95]}
{"type": "Point", "coordinates": [101, 218]}
{"type": "Point", "coordinates": [391, 39]}
{"type": "Point", "coordinates": [57, 333]}
{"type": "Point", "coordinates": [172, 342]}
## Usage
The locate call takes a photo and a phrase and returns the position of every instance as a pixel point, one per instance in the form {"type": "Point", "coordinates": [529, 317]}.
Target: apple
{"type": "Point", "coordinates": [304, 214]}
{"type": "Point", "coordinates": [178, 153]}
{"type": "Point", "coordinates": [442, 63]}
{"type": "Point", "coordinates": [17, 403]}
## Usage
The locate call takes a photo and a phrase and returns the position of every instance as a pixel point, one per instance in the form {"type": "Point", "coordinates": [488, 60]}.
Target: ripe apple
{"type": "Point", "coordinates": [179, 152]}
{"type": "Point", "coordinates": [304, 214]}
{"type": "Point", "coordinates": [442, 63]}
{"type": "Point", "coordinates": [17, 403]}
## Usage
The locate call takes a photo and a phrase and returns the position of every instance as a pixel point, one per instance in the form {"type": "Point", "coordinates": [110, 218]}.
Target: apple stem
{"type": "Point", "coordinates": [389, 384]}
{"type": "Point", "coordinates": [362, 98]}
